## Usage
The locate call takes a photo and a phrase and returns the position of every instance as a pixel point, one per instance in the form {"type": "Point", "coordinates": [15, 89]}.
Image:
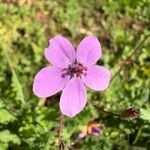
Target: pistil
{"type": "Point", "coordinates": [76, 69]}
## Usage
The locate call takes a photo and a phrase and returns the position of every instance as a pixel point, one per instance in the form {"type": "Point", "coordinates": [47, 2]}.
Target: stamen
{"type": "Point", "coordinates": [76, 69]}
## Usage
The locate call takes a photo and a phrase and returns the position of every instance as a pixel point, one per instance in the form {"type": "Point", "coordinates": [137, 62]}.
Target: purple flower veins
{"type": "Point", "coordinates": [71, 72]}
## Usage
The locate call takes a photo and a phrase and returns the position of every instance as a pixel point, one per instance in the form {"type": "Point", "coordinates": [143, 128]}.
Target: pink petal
{"type": "Point", "coordinates": [97, 78]}
{"type": "Point", "coordinates": [89, 50]}
{"type": "Point", "coordinates": [60, 52]}
{"type": "Point", "coordinates": [81, 135]}
{"type": "Point", "coordinates": [48, 81]}
{"type": "Point", "coordinates": [73, 98]}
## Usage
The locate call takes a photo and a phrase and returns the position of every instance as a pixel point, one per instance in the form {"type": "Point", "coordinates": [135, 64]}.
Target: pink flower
{"type": "Point", "coordinates": [93, 129]}
{"type": "Point", "coordinates": [71, 72]}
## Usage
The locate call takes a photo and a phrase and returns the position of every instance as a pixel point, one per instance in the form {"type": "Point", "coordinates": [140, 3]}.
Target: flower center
{"type": "Point", "coordinates": [76, 69]}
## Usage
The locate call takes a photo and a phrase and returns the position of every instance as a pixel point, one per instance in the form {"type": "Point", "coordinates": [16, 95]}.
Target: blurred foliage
{"type": "Point", "coordinates": [122, 26]}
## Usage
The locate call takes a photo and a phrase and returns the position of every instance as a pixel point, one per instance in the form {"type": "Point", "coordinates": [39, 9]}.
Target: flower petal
{"type": "Point", "coordinates": [73, 98]}
{"type": "Point", "coordinates": [60, 52]}
{"type": "Point", "coordinates": [89, 51]}
{"type": "Point", "coordinates": [48, 81]}
{"type": "Point", "coordinates": [97, 78]}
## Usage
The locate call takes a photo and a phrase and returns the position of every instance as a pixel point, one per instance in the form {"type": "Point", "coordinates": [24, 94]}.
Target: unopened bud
{"type": "Point", "coordinates": [130, 113]}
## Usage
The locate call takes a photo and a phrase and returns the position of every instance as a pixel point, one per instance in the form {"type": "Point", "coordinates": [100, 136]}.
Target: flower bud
{"type": "Point", "coordinates": [130, 113]}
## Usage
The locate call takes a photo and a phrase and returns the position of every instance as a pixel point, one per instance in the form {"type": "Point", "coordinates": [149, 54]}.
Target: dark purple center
{"type": "Point", "coordinates": [76, 69]}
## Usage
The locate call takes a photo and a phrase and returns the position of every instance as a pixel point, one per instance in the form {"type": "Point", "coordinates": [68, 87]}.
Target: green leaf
{"type": "Point", "coordinates": [145, 114]}
{"type": "Point", "coordinates": [6, 136]}
{"type": "Point", "coordinates": [6, 116]}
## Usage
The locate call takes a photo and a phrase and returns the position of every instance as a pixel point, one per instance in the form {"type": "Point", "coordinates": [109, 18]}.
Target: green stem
{"type": "Point", "coordinates": [60, 129]}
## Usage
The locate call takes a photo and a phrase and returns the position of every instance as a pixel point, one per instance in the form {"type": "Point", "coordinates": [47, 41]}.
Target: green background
{"type": "Point", "coordinates": [122, 26]}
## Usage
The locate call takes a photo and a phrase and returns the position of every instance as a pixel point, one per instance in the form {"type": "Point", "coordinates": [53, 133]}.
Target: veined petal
{"type": "Point", "coordinates": [89, 51]}
{"type": "Point", "coordinates": [60, 52]}
{"type": "Point", "coordinates": [97, 78]}
{"type": "Point", "coordinates": [73, 98]}
{"type": "Point", "coordinates": [48, 81]}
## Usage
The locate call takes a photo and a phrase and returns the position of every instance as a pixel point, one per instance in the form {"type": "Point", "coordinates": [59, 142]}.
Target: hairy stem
{"type": "Point", "coordinates": [60, 129]}
{"type": "Point", "coordinates": [101, 109]}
